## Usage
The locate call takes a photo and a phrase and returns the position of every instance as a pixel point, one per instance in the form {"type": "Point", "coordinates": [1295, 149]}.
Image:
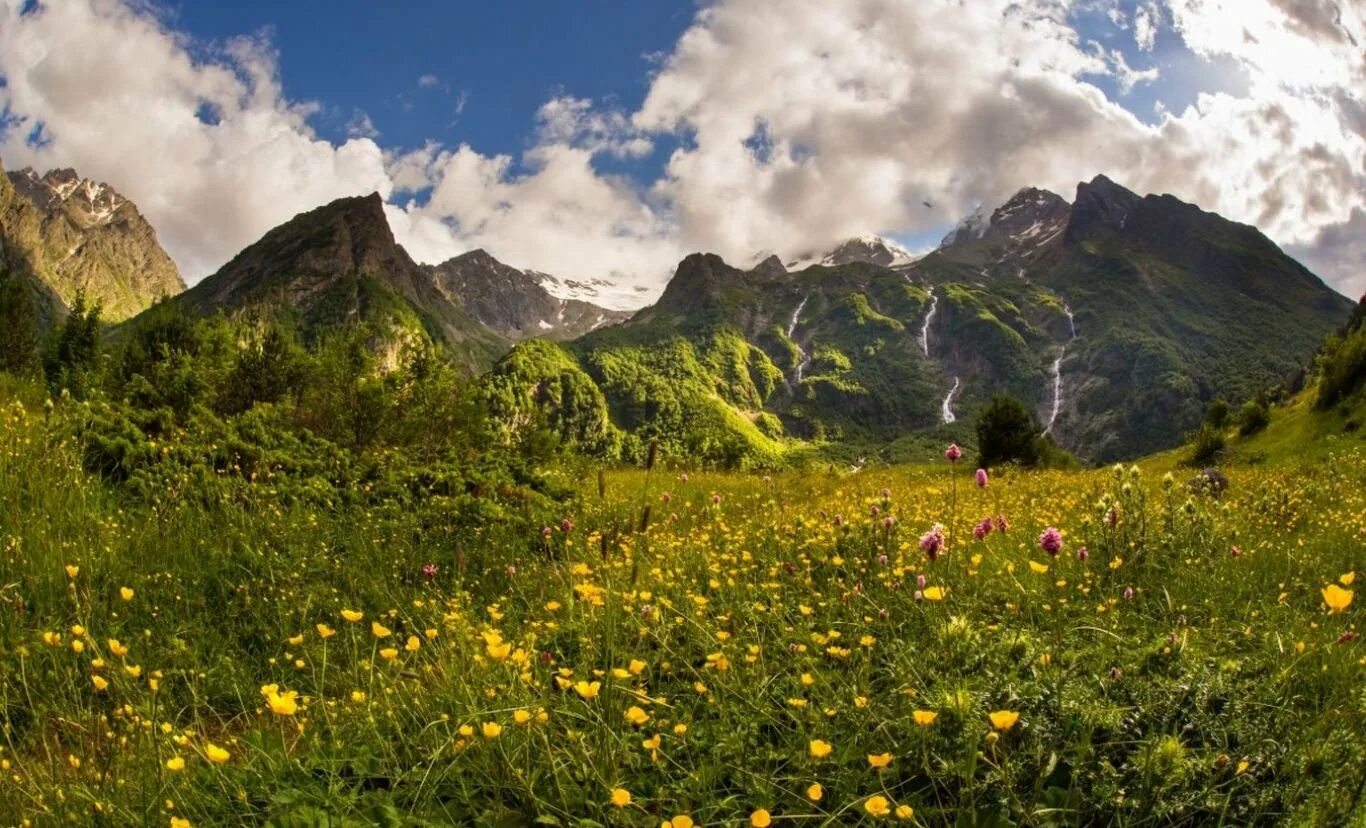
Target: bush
{"type": "Point", "coordinates": [1218, 414]}
{"type": "Point", "coordinates": [1343, 368]}
{"type": "Point", "coordinates": [1207, 446]}
{"type": "Point", "coordinates": [1253, 417]}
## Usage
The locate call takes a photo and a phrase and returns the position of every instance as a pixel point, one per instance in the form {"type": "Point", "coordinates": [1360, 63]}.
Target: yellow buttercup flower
{"type": "Point", "coordinates": [924, 718]}
{"type": "Point", "coordinates": [125, 593]}
{"type": "Point", "coordinates": [100, 683]}
{"type": "Point", "coordinates": [620, 797]}
{"type": "Point", "coordinates": [325, 631]}
{"type": "Point", "coordinates": [760, 818]}
{"type": "Point", "coordinates": [117, 647]}
{"type": "Point", "coordinates": [72, 571]}
{"type": "Point", "coordinates": [935, 593]}
{"type": "Point", "coordinates": [378, 630]}
{"type": "Point", "coordinates": [877, 805]}
{"type": "Point", "coordinates": [1037, 567]}
{"type": "Point", "coordinates": [904, 812]}
{"type": "Point", "coordinates": [815, 792]}
{"type": "Point", "coordinates": [180, 822]}
{"type": "Point", "coordinates": [281, 704]}
{"type": "Point", "coordinates": [1003, 719]}
{"type": "Point", "coordinates": [491, 730]}
{"type": "Point", "coordinates": [1337, 598]}
{"type": "Point", "coordinates": [388, 653]}
{"type": "Point", "coordinates": [175, 764]}
{"type": "Point", "coordinates": [879, 760]}
{"type": "Point", "coordinates": [216, 754]}
{"type": "Point", "coordinates": [413, 644]}
{"type": "Point", "coordinates": [680, 821]}
{"type": "Point", "coordinates": [820, 748]}
{"type": "Point", "coordinates": [1347, 578]}
{"type": "Point", "coordinates": [588, 689]}
{"type": "Point", "coordinates": [352, 615]}
{"type": "Point", "coordinates": [636, 715]}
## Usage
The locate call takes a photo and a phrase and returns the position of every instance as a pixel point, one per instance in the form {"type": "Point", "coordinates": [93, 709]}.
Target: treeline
{"type": "Point", "coordinates": [218, 410]}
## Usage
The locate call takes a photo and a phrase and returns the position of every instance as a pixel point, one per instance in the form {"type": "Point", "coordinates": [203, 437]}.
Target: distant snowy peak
{"type": "Point", "coordinates": [86, 201]}
{"type": "Point", "coordinates": [615, 296]}
{"type": "Point", "coordinates": [869, 249]}
{"type": "Point", "coordinates": [1032, 218]}
{"type": "Point", "coordinates": [971, 228]}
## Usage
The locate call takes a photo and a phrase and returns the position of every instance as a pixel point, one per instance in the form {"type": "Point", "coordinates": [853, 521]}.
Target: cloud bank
{"type": "Point", "coordinates": [792, 124]}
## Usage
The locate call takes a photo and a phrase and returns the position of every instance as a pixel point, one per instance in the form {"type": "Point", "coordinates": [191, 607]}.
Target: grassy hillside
{"type": "Point", "coordinates": [756, 648]}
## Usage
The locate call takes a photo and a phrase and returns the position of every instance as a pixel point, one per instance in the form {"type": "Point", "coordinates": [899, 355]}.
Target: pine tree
{"type": "Point", "coordinates": [19, 340]}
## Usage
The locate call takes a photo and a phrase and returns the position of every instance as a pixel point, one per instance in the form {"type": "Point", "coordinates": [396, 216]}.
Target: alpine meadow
{"type": "Point", "coordinates": [849, 444]}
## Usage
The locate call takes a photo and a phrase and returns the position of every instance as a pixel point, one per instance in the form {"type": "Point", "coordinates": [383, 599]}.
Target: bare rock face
{"type": "Point", "coordinates": [78, 234]}
{"type": "Point", "coordinates": [515, 302]}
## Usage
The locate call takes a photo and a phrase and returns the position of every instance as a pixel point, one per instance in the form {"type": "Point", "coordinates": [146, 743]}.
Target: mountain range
{"type": "Point", "coordinates": [1116, 318]}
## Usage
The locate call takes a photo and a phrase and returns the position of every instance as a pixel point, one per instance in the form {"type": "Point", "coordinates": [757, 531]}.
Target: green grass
{"type": "Point", "coordinates": [1164, 680]}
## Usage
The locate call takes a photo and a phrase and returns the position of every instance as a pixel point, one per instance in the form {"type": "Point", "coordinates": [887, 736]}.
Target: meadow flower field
{"type": "Point", "coordinates": [918, 646]}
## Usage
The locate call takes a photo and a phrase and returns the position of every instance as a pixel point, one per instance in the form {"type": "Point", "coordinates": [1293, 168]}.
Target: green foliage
{"type": "Point", "coordinates": [20, 343]}
{"type": "Point", "coordinates": [1006, 433]}
{"type": "Point", "coordinates": [1207, 446]}
{"type": "Point", "coordinates": [1253, 417]}
{"type": "Point", "coordinates": [538, 385]}
{"type": "Point", "coordinates": [1342, 365]}
{"type": "Point", "coordinates": [1218, 414]}
{"type": "Point", "coordinates": [73, 352]}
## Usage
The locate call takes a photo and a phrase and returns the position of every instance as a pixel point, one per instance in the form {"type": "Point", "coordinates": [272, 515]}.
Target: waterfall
{"type": "Point", "coordinates": [947, 408]}
{"type": "Point", "coordinates": [1057, 370]}
{"type": "Point", "coordinates": [925, 328]}
{"type": "Point", "coordinates": [803, 360]}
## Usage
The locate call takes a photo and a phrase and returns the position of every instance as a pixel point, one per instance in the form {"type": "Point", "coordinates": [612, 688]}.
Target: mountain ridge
{"type": "Point", "coordinates": [83, 236]}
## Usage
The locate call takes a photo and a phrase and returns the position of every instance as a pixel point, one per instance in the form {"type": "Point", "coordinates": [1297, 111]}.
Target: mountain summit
{"type": "Point", "coordinates": [874, 250]}
{"type": "Point", "coordinates": [339, 265]}
{"type": "Point", "coordinates": [80, 235]}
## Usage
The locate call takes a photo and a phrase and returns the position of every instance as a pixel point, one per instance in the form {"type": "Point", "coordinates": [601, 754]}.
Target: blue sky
{"type": "Point", "coordinates": [488, 66]}
{"type": "Point", "coordinates": [606, 140]}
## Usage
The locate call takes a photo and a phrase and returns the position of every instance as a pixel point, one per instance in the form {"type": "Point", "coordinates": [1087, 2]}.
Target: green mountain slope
{"type": "Point", "coordinates": [1116, 319]}
{"type": "Point", "coordinates": [339, 266]}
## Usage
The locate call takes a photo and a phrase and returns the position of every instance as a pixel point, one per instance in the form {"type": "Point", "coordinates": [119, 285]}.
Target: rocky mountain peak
{"type": "Point", "coordinates": [771, 266]}
{"type": "Point", "coordinates": [973, 227]}
{"type": "Point", "coordinates": [82, 235]}
{"type": "Point", "coordinates": [868, 249]}
{"type": "Point", "coordinates": [85, 201]}
{"type": "Point", "coordinates": [1101, 203]}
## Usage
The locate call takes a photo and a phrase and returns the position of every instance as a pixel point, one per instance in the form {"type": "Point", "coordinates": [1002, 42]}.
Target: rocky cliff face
{"type": "Point", "coordinates": [513, 302]}
{"type": "Point", "coordinates": [80, 235]}
{"type": "Point", "coordinates": [336, 267]}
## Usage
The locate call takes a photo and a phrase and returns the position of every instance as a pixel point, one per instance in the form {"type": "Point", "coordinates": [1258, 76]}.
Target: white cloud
{"type": "Point", "coordinates": [557, 215]}
{"type": "Point", "coordinates": [1341, 249]}
{"type": "Point", "coordinates": [809, 121]}
{"type": "Point", "coordinates": [360, 126]}
{"type": "Point", "coordinates": [120, 95]}
{"type": "Point", "coordinates": [797, 123]}
{"type": "Point", "coordinates": [1146, 20]}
